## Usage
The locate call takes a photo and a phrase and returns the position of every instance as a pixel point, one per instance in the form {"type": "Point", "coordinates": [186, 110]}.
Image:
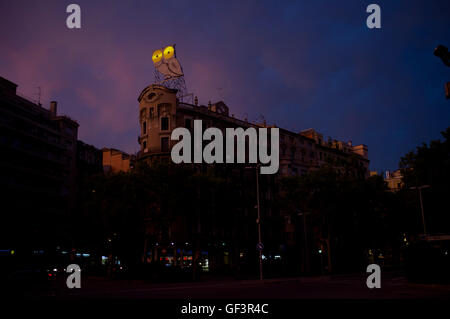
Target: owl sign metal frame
{"type": "Point", "coordinates": [166, 63]}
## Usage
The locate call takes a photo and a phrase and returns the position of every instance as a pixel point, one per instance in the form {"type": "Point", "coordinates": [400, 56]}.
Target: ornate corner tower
{"type": "Point", "coordinates": [157, 117]}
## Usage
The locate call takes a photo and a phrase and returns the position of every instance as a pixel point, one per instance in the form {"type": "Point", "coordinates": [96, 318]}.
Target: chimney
{"type": "Point", "coordinates": [53, 108]}
{"type": "Point", "coordinates": [209, 105]}
{"type": "Point", "coordinates": [349, 143]}
{"type": "Point", "coordinates": [196, 101]}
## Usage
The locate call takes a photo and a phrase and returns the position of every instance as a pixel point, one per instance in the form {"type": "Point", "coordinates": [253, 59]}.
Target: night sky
{"type": "Point", "coordinates": [300, 64]}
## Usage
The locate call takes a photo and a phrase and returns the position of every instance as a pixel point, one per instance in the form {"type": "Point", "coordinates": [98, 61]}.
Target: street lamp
{"type": "Point", "coordinates": [258, 221]}
{"type": "Point", "coordinates": [421, 205]}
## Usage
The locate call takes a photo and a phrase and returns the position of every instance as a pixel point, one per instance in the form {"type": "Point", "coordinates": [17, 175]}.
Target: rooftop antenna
{"type": "Point", "coordinates": [39, 94]}
{"type": "Point", "coordinates": [188, 98]}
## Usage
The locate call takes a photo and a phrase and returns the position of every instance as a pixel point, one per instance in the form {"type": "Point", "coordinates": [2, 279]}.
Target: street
{"type": "Point", "coordinates": [353, 286]}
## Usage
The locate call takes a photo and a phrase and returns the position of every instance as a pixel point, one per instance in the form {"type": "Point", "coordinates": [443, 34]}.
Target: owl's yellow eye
{"type": "Point", "coordinates": [168, 52]}
{"type": "Point", "coordinates": [157, 56]}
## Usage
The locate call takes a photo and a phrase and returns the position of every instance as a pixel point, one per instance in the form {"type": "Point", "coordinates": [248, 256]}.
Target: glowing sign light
{"type": "Point", "coordinates": [157, 56]}
{"type": "Point", "coordinates": [168, 52]}
{"type": "Point", "coordinates": [166, 63]}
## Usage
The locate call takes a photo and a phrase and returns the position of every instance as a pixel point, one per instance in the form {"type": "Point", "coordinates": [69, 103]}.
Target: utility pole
{"type": "Point", "coordinates": [260, 245]}
{"type": "Point", "coordinates": [421, 205]}
{"type": "Point", "coordinates": [258, 221]}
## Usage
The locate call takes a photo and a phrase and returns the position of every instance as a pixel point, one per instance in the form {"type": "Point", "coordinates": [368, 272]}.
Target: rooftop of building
{"type": "Point", "coordinates": [9, 91]}
{"type": "Point", "coordinates": [308, 134]}
{"type": "Point", "coordinates": [115, 151]}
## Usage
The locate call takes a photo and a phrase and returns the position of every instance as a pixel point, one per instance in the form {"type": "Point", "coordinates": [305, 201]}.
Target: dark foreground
{"type": "Point", "coordinates": [352, 286]}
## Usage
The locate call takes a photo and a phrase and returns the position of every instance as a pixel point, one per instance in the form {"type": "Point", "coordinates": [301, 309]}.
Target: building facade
{"type": "Point", "coordinates": [89, 160]}
{"type": "Point", "coordinates": [160, 113]}
{"type": "Point", "coordinates": [38, 162]}
{"type": "Point", "coordinates": [300, 152]}
{"type": "Point", "coordinates": [394, 180]}
{"type": "Point", "coordinates": [115, 161]}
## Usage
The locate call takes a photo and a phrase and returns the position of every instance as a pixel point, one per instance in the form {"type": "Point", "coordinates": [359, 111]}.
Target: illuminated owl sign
{"type": "Point", "coordinates": [166, 63]}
